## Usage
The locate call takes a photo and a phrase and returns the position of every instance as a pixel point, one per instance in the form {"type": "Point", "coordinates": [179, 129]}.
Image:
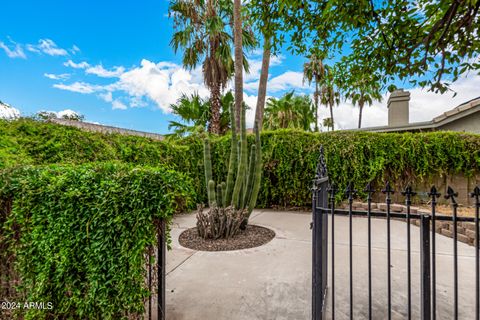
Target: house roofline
{"type": "Point", "coordinates": [462, 110]}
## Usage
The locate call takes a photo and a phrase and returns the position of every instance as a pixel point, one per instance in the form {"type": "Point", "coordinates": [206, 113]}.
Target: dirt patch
{"type": "Point", "coordinates": [447, 210]}
{"type": "Point", "coordinates": [253, 236]}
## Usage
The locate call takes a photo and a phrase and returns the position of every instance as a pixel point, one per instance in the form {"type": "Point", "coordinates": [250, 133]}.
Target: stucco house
{"type": "Point", "coordinates": [464, 118]}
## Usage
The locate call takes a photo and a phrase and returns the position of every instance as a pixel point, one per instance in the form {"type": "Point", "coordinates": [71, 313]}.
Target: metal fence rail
{"type": "Point", "coordinates": [156, 275]}
{"type": "Point", "coordinates": [323, 190]}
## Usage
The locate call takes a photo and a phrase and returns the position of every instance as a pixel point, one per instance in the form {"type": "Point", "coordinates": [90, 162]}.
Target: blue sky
{"type": "Point", "coordinates": [111, 61]}
{"type": "Point", "coordinates": [108, 34]}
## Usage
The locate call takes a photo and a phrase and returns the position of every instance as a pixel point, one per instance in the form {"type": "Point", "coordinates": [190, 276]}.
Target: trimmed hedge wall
{"type": "Point", "coordinates": [79, 234]}
{"type": "Point", "coordinates": [290, 157]}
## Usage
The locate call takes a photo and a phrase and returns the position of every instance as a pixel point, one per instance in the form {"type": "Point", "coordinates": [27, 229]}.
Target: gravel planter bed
{"type": "Point", "coordinates": [253, 236]}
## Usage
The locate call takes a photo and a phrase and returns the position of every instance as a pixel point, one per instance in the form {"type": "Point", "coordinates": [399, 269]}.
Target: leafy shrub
{"type": "Point", "coordinates": [290, 159]}
{"type": "Point", "coordinates": [79, 234]}
{"type": "Point", "coordinates": [289, 156]}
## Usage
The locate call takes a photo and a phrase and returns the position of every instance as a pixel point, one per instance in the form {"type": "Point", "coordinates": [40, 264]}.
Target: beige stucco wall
{"type": "Point", "coordinates": [460, 183]}
{"type": "Point", "coordinates": [106, 129]}
{"type": "Point", "coordinates": [470, 123]}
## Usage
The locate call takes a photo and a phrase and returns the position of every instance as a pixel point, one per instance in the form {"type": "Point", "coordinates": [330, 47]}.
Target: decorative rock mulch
{"type": "Point", "coordinates": [253, 236]}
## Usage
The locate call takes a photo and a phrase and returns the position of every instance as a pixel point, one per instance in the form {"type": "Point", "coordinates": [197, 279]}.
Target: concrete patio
{"type": "Point", "coordinates": [274, 281]}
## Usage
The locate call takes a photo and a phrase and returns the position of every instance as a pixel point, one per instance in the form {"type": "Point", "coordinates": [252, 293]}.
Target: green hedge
{"type": "Point", "coordinates": [289, 156]}
{"type": "Point", "coordinates": [290, 159]}
{"type": "Point", "coordinates": [79, 234]}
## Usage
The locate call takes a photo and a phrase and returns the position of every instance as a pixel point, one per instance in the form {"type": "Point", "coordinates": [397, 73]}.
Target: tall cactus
{"type": "Point", "coordinates": [232, 164]}
{"type": "Point", "coordinates": [242, 166]}
{"type": "Point", "coordinates": [212, 201]}
{"type": "Point", "coordinates": [219, 195]}
{"type": "Point", "coordinates": [231, 203]}
{"type": "Point", "coordinates": [250, 176]}
{"type": "Point", "coordinates": [207, 158]}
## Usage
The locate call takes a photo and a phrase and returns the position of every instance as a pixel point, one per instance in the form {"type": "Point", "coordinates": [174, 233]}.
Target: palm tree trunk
{"type": "Point", "coordinates": [237, 26]}
{"type": "Point", "coordinates": [262, 84]}
{"type": "Point", "coordinates": [360, 115]}
{"type": "Point", "coordinates": [215, 106]}
{"type": "Point", "coordinates": [315, 101]}
{"type": "Point", "coordinates": [331, 117]}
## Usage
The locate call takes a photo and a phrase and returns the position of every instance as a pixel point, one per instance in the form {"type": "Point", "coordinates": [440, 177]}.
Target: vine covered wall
{"type": "Point", "coordinates": [289, 156]}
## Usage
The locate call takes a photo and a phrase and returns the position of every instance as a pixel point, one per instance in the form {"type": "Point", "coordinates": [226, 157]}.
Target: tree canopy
{"type": "Point", "coordinates": [427, 43]}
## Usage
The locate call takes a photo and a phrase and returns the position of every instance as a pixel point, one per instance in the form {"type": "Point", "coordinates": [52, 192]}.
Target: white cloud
{"type": "Point", "coordinates": [74, 49]}
{"type": "Point", "coordinates": [255, 66]}
{"type": "Point", "coordinates": [49, 47]}
{"type": "Point", "coordinates": [15, 52]}
{"type": "Point", "coordinates": [46, 46]}
{"type": "Point", "coordinates": [107, 96]}
{"type": "Point", "coordinates": [100, 71]}
{"type": "Point", "coordinates": [8, 112]}
{"type": "Point", "coordinates": [63, 114]}
{"type": "Point", "coordinates": [424, 105]}
{"type": "Point", "coordinates": [118, 105]}
{"type": "Point", "coordinates": [97, 70]}
{"type": "Point", "coordinates": [286, 81]}
{"type": "Point", "coordinates": [79, 87]}
{"type": "Point", "coordinates": [80, 65]}
{"type": "Point", "coordinates": [251, 102]}
{"type": "Point", "coordinates": [63, 76]}
{"type": "Point", "coordinates": [32, 48]}
{"type": "Point", "coordinates": [67, 113]}
{"type": "Point", "coordinates": [162, 83]}
{"type": "Point", "coordinates": [346, 115]}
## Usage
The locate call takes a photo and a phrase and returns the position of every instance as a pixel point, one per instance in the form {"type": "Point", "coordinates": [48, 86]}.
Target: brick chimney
{"type": "Point", "coordinates": [398, 108]}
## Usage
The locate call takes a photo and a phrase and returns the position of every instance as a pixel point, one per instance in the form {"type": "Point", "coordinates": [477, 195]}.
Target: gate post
{"type": "Point", "coordinates": [161, 258]}
{"type": "Point", "coordinates": [315, 273]}
{"type": "Point", "coordinates": [319, 238]}
{"type": "Point", "coordinates": [425, 291]}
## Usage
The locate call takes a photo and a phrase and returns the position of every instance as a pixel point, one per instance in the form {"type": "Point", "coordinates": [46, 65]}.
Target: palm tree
{"type": "Point", "coordinates": [201, 30]}
{"type": "Point", "coordinates": [279, 113]}
{"type": "Point", "coordinates": [328, 123]}
{"type": "Point", "coordinates": [193, 110]}
{"type": "Point", "coordinates": [305, 112]}
{"type": "Point", "coordinates": [363, 95]}
{"type": "Point", "coordinates": [195, 114]}
{"type": "Point", "coordinates": [290, 111]}
{"type": "Point", "coordinates": [330, 96]}
{"type": "Point", "coordinates": [314, 71]}
{"type": "Point", "coordinates": [362, 87]}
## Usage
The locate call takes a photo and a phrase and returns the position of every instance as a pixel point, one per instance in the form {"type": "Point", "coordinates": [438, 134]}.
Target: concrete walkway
{"type": "Point", "coordinates": [274, 281]}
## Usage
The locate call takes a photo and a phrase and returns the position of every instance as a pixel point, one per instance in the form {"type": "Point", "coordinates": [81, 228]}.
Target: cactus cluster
{"type": "Point", "coordinates": [238, 195]}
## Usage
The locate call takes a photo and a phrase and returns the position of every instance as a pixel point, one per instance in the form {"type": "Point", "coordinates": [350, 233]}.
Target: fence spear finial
{"type": "Point", "coordinates": [451, 194]}
{"type": "Point", "coordinates": [350, 191]}
{"type": "Point", "coordinates": [476, 193]}
{"type": "Point", "coordinates": [409, 191]}
{"type": "Point", "coordinates": [434, 194]}
{"type": "Point", "coordinates": [388, 189]}
{"type": "Point", "coordinates": [369, 190]}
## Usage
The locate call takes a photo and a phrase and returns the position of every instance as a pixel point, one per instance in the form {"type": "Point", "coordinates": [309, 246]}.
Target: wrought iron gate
{"type": "Point", "coordinates": [320, 239]}
{"type": "Point", "coordinates": [323, 206]}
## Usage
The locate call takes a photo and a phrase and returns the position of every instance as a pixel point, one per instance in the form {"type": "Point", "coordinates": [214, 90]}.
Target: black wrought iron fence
{"type": "Point", "coordinates": [323, 206]}
{"type": "Point", "coordinates": [156, 275]}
